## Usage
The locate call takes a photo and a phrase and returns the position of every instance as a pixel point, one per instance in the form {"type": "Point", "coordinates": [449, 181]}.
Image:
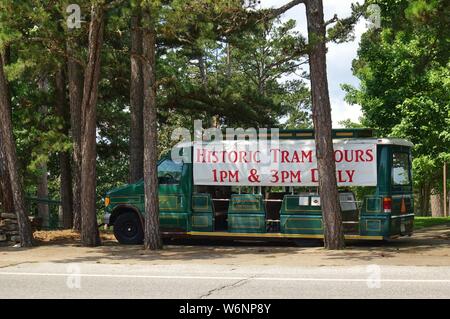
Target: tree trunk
{"type": "Point", "coordinates": [203, 71]}
{"type": "Point", "coordinates": [321, 111]}
{"type": "Point", "coordinates": [6, 195]}
{"type": "Point", "coordinates": [136, 101]}
{"type": "Point", "coordinates": [228, 61]}
{"type": "Point", "coordinates": [152, 238]}
{"type": "Point", "coordinates": [436, 203]}
{"type": "Point", "coordinates": [65, 189]}
{"type": "Point", "coordinates": [89, 229]}
{"type": "Point", "coordinates": [42, 193]}
{"type": "Point", "coordinates": [9, 146]}
{"type": "Point", "coordinates": [75, 79]}
{"type": "Point", "coordinates": [42, 187]}
{"type": "Point", "coordinates": [448, 204]}
{"type": "Point", "coordinates": [424, 200]}
{"type": "Point", "coordinates": [427, 200]}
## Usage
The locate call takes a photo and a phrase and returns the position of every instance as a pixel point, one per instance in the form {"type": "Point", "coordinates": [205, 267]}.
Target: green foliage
{"type": "Point", "coordinates": [422, 222]}
{"type": "Point", "coordinates": [342, 29]}
{"type": "Point", "coordinates": [404, 71]}
{"type": "Point", "coordinates": [349, 124]}
{"type": "Point", "coordinates": [236, 81]}
{"type": "Point", "coordinates": [36, 34]}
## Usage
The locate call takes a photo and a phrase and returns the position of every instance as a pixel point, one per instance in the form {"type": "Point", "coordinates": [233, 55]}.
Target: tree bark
{"type": "Point", "coordinates": [136, 101]}
{"type": "Point", "coordinates": [152, 238]}
{"type": "Point", "coordinates": [42, 193]}
{"type": "Point", "coordinates": [321, 111]}
{"type": "Point", "coordinates": [89, 228]}
{"type": "Point", "coordinates": [9, 146]}
{"type": "Point", "coordinates": [228, 61]}
{"type": "Point", "coordinates": [203, 70]}
{"type": "Point", "coordinates": [75, 80]}
{"type": "Point", "coordinates": [436, 203]}
{"type": "Point", "coordinates": [6, 195]}
{"type": "Point", "coordinates": [448, 207]}
{"type": "Point", "coordinates": [424, 200]}
{"type": "Point", "coordinates": [65, 189]}
{"type": "Point", "coordinates": [42, 187]}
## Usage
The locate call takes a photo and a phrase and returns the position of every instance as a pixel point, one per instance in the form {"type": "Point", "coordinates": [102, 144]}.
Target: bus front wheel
{"type": "Point", "coordinates": [128, 229]}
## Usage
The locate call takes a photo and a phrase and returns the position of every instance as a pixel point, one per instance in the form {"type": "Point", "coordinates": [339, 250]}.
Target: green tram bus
{"type": "Point", "coordinates": [236, 211]}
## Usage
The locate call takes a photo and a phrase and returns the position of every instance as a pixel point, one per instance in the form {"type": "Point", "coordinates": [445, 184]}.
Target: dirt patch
{"type": "Point", "coordinates": [67, 236]}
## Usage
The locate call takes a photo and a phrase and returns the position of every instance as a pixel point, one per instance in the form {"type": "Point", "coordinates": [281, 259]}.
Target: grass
{"type": "Point", "coordinates": [422, 222]}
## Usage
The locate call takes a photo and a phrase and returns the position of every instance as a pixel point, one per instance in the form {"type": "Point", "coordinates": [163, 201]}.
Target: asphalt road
{"type": "Point", "coordinates": [90, 280]}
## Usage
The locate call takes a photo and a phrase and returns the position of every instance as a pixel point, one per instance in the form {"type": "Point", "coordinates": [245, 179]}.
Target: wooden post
{"type": "Point", "coordinates": [444, 184]}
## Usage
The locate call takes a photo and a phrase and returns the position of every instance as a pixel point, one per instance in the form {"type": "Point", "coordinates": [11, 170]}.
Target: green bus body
{"type": "Point", "coordinates": [187, 210]}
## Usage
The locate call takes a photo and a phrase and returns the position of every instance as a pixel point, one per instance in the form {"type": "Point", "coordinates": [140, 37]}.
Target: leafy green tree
{"type": "Point", "coordinates": [404, 91]}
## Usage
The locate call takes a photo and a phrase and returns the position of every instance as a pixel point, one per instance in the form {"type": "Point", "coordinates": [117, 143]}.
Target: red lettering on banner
{"type": "Point", "coordinates": [294, 157]}
{"type": "Point", "coordinates": [347, 157]}
{"type": "Point", "coordinates": [274, 176]}
{"type": "Point", "coordinates": [256, 157]}
{"type": "Point", "coordinates": [350, 174]}
{"type": "Point", "coordinates": [369, 153]}
{"type": "Point", "coordinates": [283, 165]}
{"type": "Point", "coordinates": [353, 156]}
{"type": "Point", "coordinates": [206, 156]}
{"type": "Point", "coordinates": [284, 156]}
{"type": "Point", "coordinates": [296, 177]}
{"type": "Point", "coordinates": [307, 155]}
{"type": "Point", "coordinates": [345, 176]}
{"type": "Point", "coordinates": [200, 154]}
{"type": "Point", "coordinates": [231, 159]}
{"type": "Point", "coordinates": [314, 175]}
{"type": "Point", "coordinates": [215, 158]}
{"type": "Point", "coordinates": [359, 156]}
{"type": "Point", "coordinates": [336, 156]}
{"type": "Point", "coordinates": [275, 152]}
{"type": "Point", "coordinates": [243, 157]}
{"type": "Point", "coordinates": [286, 176]}
{"type": "Point", "coordinates": [340, 179]}
{"type": "Point", "coordinates": [225, 176]}
{"type": "Point", "coordinates": [234, 176]}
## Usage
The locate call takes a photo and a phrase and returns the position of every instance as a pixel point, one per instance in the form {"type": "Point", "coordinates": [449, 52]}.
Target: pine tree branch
{"type": "Point", "coordinates": [273, 13]}
{"type": "Point", "coordinates": [332, 20]}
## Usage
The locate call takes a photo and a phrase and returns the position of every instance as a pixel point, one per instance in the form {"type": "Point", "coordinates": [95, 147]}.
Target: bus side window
{"type": "Point", "coordinates": [169, 172]}
{"type": "Point", "coordinates": [400, 169]}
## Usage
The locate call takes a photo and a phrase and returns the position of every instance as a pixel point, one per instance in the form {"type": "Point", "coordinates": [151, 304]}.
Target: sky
{"type": "Point", "coordinates": [339, 56]}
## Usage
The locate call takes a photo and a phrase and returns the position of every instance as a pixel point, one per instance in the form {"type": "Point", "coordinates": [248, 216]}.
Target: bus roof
{"type": "Point", "coordinates": [394, 141]}
{"type": "Point", "coordinates": [378, 141]}
{"type": "Point", "coordinates": [307, 134]}
{"type": "Point", "coordinates": [344, 135]}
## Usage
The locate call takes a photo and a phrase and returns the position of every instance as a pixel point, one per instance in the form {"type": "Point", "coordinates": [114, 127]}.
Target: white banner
{"type": "Point", "coordinates": [281, 163]}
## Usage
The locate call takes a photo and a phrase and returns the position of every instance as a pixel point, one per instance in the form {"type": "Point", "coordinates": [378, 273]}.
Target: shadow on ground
{"type": "Point", "coordinates": [425, 241]}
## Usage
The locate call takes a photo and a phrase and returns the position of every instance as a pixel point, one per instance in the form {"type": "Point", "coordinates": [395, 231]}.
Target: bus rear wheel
{"type": "Point", "coordinates": [128, 229]}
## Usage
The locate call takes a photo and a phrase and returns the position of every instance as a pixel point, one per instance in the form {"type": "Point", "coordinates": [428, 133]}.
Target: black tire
{"type": "Point", "coordinates": [128, 229]}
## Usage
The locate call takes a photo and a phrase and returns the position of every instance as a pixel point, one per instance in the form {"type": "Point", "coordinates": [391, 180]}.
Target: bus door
{"type": "Point", "coordinates": [174, 200]}
{"type": "Point", "coordinates": [402, 206]}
